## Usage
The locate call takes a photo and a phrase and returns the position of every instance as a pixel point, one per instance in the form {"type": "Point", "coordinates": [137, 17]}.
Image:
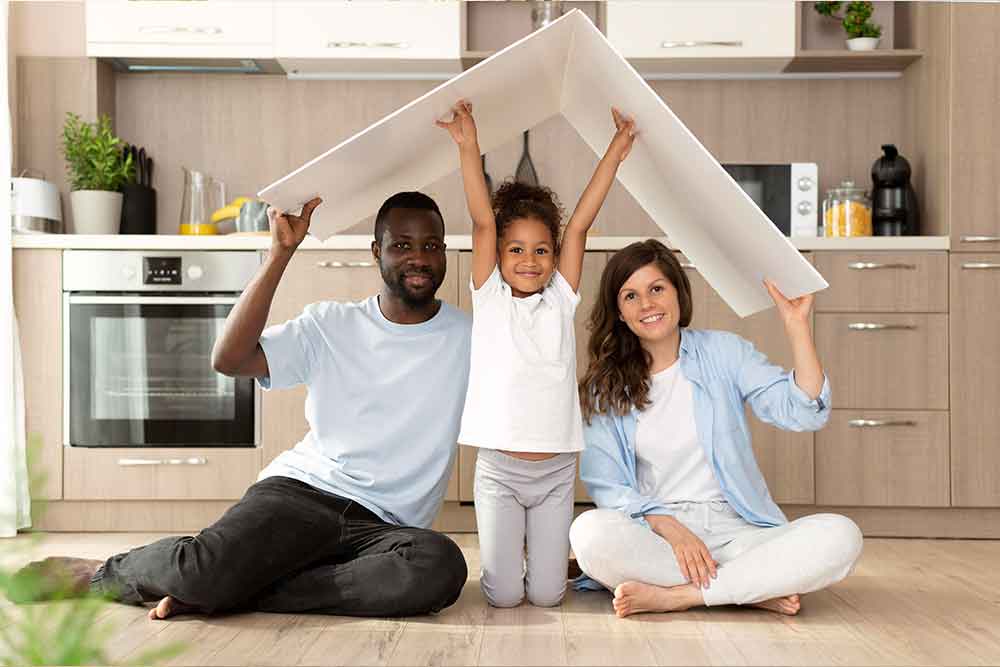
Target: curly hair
{"type": "Point", "coordinates": [513, 201]}
{"type": "Point", "coordinates": [617, 377]}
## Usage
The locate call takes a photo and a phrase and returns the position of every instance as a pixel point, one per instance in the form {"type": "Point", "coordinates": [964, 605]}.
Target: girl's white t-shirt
{"type": "Point", "coordinates": [670, 462]}
{"type": "Point", "coordinates": [522, 393]}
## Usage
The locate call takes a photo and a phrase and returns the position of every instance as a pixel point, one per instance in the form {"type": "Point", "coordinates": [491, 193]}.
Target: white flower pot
{"type": "Point", "coordinates": [863, 43]}
{"type": "Point", "coordinates": [96, 211]}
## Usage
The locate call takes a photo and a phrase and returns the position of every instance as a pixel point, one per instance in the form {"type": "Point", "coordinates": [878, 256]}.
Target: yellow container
{"type": "Point", "coordinates": [847, 212]}
{"type": "Point", "coordinates": [204, 229]}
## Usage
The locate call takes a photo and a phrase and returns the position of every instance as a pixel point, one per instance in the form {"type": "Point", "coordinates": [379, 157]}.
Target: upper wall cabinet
{"type": "Point", "coordinates": [208, 29]}
{"type": "Point", "coordinates": [411, 38]}
{"type": "Point", "coordinates": [665, 36]}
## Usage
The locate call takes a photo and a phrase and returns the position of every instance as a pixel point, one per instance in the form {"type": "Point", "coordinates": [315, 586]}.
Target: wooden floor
{"type": "Point", "coordinates": [910, 602]}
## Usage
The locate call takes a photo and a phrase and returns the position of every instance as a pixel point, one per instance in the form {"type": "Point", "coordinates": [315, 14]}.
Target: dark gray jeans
{"type": "Point", "coordinates": [288, 547]}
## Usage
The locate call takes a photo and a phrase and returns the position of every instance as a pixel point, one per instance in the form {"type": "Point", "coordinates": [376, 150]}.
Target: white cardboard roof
{"type": "Point", "coordinates": [566, 68]}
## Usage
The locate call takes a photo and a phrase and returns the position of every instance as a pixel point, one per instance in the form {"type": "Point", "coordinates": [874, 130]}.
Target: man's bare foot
{"type": "Point", "coordinates": [788, 605]}
{"type": "Point", "coordinates": [56, 577]}
{"type": "Point", "coordinates": [168, 607]}
{"type": "Point", "coordinates": [635, 597]}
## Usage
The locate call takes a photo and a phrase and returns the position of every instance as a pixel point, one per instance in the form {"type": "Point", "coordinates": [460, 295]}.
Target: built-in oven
{"type": "Point", "coordinates": [138, 331]}
{"type": "Point", "coordinates": [787, 193]}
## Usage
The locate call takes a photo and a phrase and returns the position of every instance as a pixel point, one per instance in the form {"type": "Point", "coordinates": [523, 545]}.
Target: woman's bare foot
{"type": "Point", "coordinates": [168, 607]}
{"type": "Point", "coordinates": [635, 597]}
{"type": "Point", "coordinates": [55, 577]}
{"type": "Point", "coordinates": [788, 605]}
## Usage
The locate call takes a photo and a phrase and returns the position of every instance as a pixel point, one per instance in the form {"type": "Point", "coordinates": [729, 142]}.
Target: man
{"type": "Point", "coordinates": [338, 524]}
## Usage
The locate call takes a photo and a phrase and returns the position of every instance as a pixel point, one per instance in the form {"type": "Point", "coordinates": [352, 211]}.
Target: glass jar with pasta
{"type": "Point", "coordinates": [847, 211]}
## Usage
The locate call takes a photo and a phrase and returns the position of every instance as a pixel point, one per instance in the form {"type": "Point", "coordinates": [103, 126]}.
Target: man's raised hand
{"type": "Point", "coordinates": [288, 230]}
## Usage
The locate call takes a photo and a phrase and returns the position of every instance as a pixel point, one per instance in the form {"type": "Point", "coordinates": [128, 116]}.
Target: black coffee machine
{"type": "Point", "coordinates": [894, 203]}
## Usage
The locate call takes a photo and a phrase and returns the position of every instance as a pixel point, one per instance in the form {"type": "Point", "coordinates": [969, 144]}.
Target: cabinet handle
{"type": "Point", "coordinates": [344, 265]}
{"type": "Point", "coordinates": [980, 265]}
{"type": "Point", "coordinates": [874, 423]}
{"type": "Point", "coordinates": [190, 461]}
{"type": "Point", "coordinates": [173, 29]}
{"type": "Point", "coordinates": [688, 44]}
{"type": "Point", "coordinates": [367, 45]}
{"type": "Point", "coordinates": [872, 326]}
{"type": "Point", "coordinates": [688, 265]}
{"type": "Point", "coordinates": [980, 239]}
{"type": "Point", "coordinates": [865, 266]}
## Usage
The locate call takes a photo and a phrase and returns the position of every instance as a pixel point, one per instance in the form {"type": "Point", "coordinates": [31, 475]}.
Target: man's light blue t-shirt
{"type": "Point", "coordinates": [384, 404]}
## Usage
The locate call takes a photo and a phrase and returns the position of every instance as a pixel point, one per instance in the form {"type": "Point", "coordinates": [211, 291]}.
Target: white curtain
{"type": "Point", "coordinates": [15, 507]}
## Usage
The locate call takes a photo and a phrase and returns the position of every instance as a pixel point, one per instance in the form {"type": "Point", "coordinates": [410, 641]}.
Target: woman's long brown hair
{"type": "Point", "coordinates": [617, 377]}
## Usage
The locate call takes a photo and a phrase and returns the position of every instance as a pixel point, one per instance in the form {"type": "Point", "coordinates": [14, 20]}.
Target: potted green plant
{"type": "Point", "coordinates": [862, 34]}
{"type": "Point", "coordinates": [97, 170]}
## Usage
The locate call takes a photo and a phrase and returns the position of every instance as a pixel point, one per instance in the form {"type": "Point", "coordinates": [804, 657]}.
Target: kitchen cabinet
{"type": "Point", "coordinates": [179, 29]}
{"type": "Point", "coordinates": [785, 457]}
{"type": "Point", "coordinates": [885, 361]}
{"type": "Point", "coordinates": [160, 474]}
{"type": "Point", "coordinates": [975, 380]}
{"type": "Point", "coordinates": [324, 275]}
{"type": "Point", "coordinates": [38, 308]}
{"type": "Point", "coordinates": [883, 282]}
{"type": "Point", "coordinates": [975, 127]}
{"type": "Point", "coordinates": [674, 35]}
{"type": "Point", "coordinates": [407, 36]}
{"type": "Point", "coordinates": [883, 458]}
{"type": "Point", "coordinates": [593, 266]}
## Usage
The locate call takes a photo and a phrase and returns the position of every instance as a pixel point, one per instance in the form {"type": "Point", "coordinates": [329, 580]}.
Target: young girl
{"type": "Point", "coordinates": [521, 409]}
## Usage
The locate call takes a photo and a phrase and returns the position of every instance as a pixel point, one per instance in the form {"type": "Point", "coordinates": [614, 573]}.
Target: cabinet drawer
{"type": "Point", "coordinates": [883, 459]}
{"type": "Point", "coordinates": [704, 29]}
{"type": "Point", "coordinates": [359, 30]}
{"type": "Point", "coordinates": [897, 282]}
{"type": "Point", "coordinates": [213, 28]}
{"type": "Point", "coordinates": [159, 474]}
{"type": "Point", "coordinates": [885, 361]}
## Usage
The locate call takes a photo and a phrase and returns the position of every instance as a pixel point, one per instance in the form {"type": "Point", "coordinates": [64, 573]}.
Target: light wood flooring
{"type": "Point", "coordinates": [910, 602]}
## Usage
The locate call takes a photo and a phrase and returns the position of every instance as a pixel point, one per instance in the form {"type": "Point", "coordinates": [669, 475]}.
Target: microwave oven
{"type": "Point", "coordinates": [787, 193]}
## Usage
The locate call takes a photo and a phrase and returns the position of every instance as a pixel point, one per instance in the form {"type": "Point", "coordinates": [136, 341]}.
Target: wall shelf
{"type": "Point", "coordinates": [842, 60]}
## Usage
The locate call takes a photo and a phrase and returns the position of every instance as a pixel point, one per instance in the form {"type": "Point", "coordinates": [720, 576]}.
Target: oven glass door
{"type": "Point", "coordinates": [770, 187]}
{"type": "Point", "coordinates": [140, 374]}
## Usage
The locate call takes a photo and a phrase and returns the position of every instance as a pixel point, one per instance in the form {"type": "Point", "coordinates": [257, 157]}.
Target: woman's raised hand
{"type": "Point", "coordinates": [693, 557]}
{"type": "Point", "coordinates": [462, 126]}
{"type": "Point", "coordinates": [793, 312]}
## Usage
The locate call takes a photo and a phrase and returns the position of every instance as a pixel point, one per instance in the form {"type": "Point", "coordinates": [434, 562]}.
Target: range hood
{"type": "Point", "coordinates": [197, 65]}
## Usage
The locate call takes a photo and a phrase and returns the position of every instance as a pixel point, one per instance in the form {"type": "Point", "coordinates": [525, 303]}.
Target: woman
{"type": "Point", "coordinates": [684, 516]}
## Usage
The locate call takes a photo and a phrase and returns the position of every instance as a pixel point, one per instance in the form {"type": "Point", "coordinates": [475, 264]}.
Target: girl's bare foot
{"type": "Point", "coordinates": [788, 605]}
{"type": "Point", "coordinates": [635, 597]}
{"type": "Point", "coordinates": [168, 607]}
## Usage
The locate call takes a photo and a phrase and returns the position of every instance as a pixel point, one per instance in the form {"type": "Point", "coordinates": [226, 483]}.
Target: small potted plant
{"type": "Point", "coordinates": [862, 34]}
{"type": "Point", "coordinates": [97, 171]}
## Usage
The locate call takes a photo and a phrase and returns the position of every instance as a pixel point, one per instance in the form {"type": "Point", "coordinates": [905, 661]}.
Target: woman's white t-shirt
{"type": "Point", "coordinates": [670, 462]}
{"type": "Point", "coordinates": [522, 393]}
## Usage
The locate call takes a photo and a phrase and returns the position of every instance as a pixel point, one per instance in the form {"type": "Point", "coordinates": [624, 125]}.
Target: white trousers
{"type": "Point", "coordinates": [755, 563]}
{"type": "Point", "coordinates": [524, 510]}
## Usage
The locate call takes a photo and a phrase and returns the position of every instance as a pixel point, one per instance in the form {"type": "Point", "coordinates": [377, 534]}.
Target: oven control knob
{"type": "Point", "coordinates": [804, 207]}
{"type": "Point", "coordinates": [805, 184]}
{"type": "Point", "coordinates": [194, 272]}
{"type": "Point", "coordinates": [128, 272]}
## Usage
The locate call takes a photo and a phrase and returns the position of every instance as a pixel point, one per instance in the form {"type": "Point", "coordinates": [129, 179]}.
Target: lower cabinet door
{"type": "Point", "coordinates": [883, 459]}
{"type": "Point", "coordinates": [159, 474]}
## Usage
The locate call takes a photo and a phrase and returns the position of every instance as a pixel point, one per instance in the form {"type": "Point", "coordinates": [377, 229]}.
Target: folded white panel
{"type": "Point", "coordinates": [567, 67]}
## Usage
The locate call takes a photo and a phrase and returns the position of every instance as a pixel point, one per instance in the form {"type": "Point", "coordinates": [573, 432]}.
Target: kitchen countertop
{"type": "Point", "coordinates": [455, 242]}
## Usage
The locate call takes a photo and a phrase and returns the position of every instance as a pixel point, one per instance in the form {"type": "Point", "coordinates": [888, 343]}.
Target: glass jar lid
{"type": "Point", "coordinates": [847, 189]}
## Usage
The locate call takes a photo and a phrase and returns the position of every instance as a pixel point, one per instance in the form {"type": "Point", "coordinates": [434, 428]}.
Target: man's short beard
{"type": "Point", "coordinates": [397, 287]}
